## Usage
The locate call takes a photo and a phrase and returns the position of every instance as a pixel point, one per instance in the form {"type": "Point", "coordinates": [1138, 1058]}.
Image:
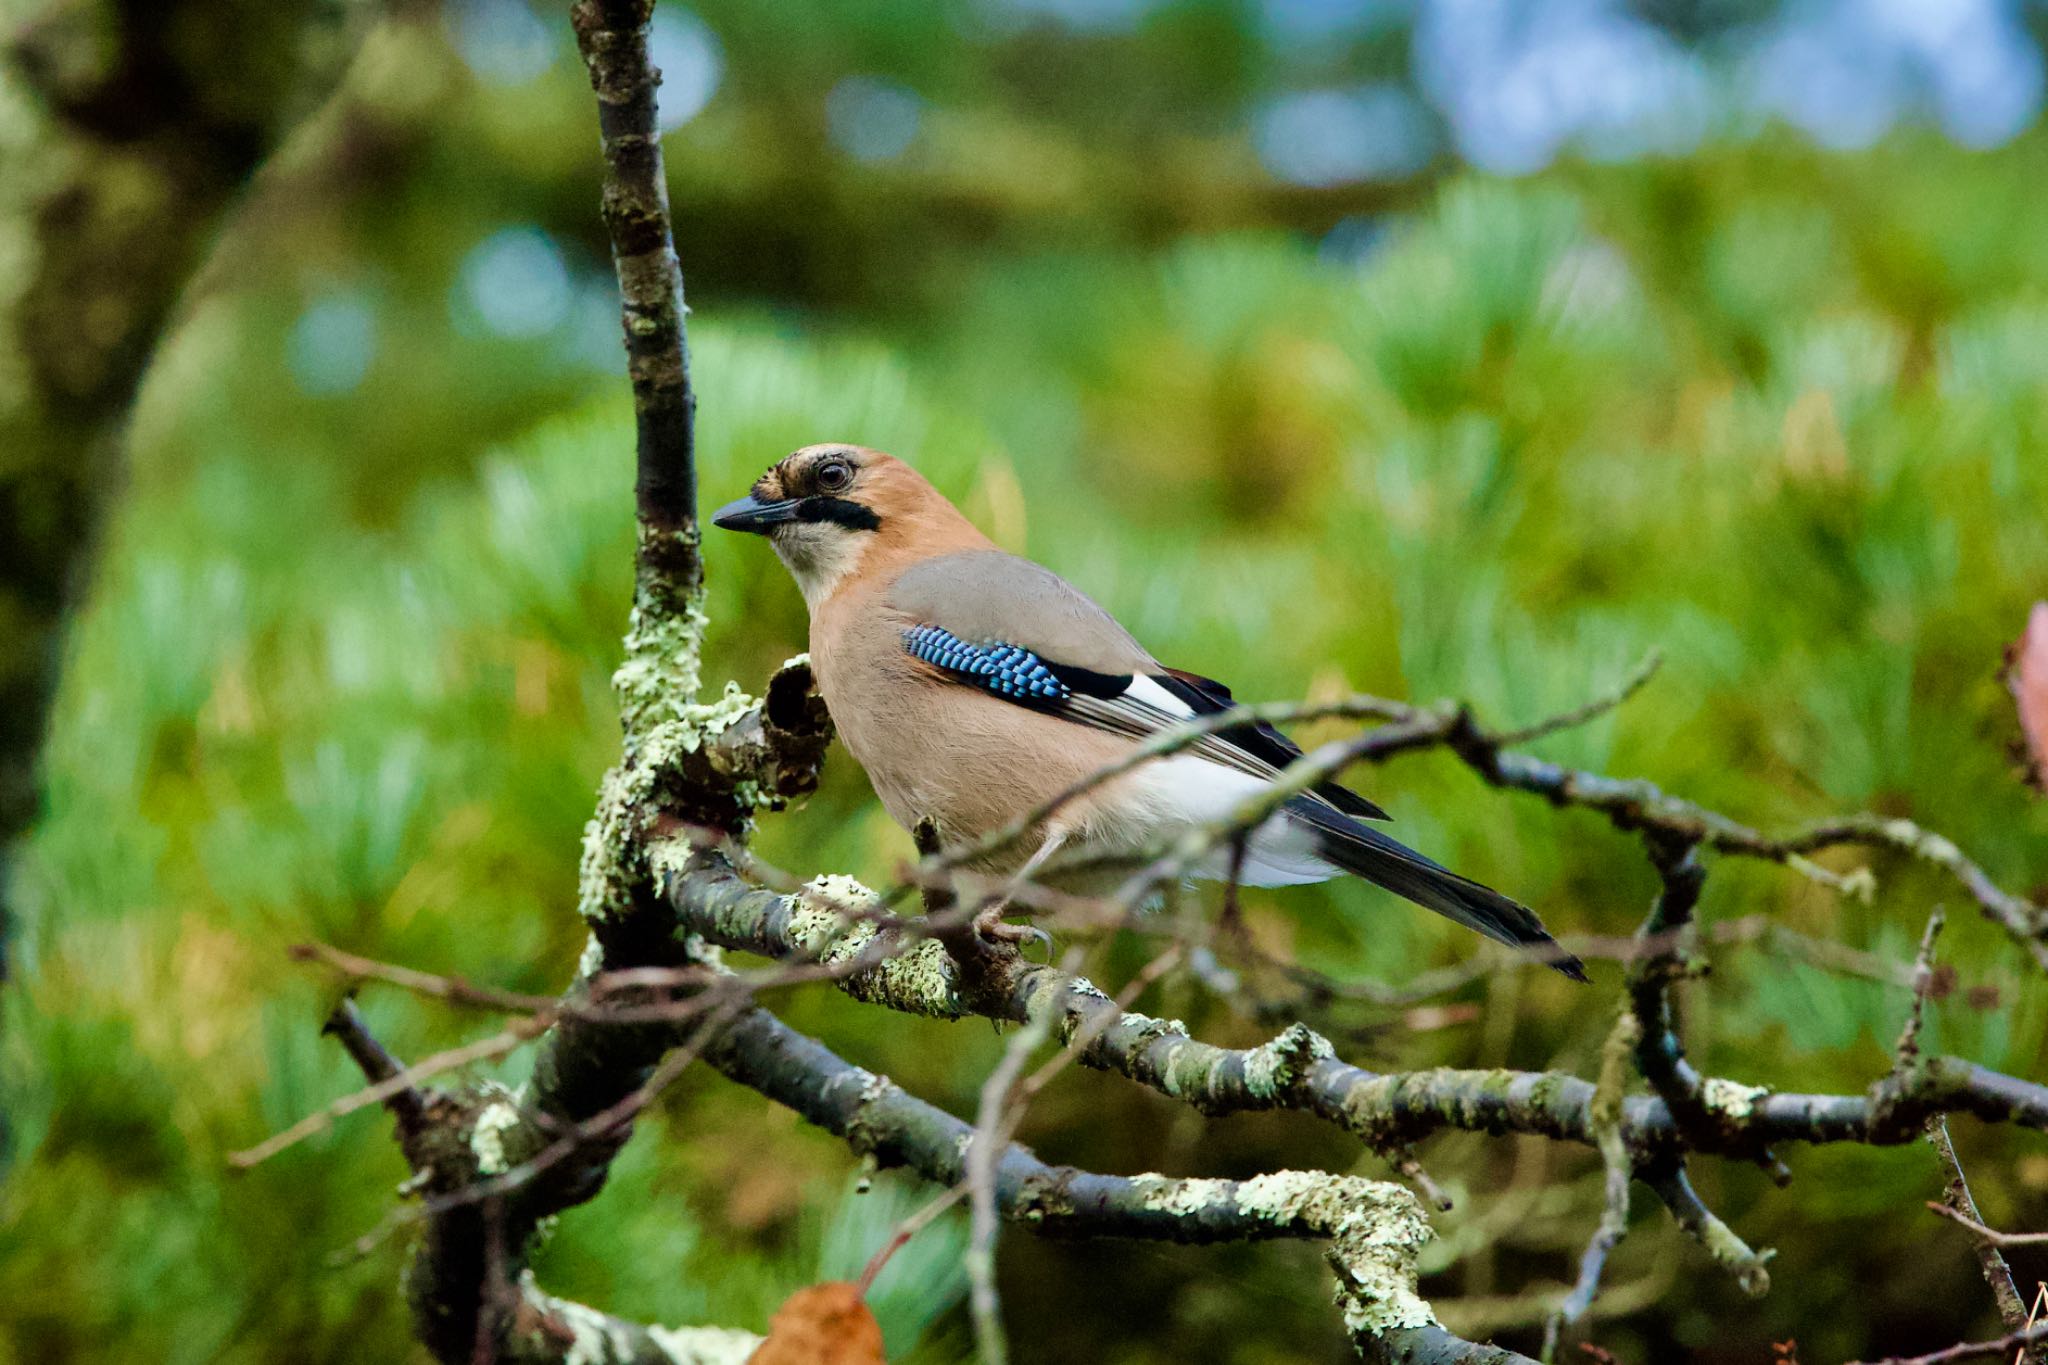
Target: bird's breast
{"type": "Point", "coordinates": [936, 750]}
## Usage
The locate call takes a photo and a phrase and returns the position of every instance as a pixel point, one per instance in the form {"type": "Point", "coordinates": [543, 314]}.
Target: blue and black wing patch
{"type": "Point", "coordinates": [1107, 701]}
{"type": "Point", "coordinates": [1006, 670]}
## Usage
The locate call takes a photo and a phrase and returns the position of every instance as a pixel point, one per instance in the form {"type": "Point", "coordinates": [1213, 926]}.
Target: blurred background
{"type": "Point", "coordinates": [1427, 347]}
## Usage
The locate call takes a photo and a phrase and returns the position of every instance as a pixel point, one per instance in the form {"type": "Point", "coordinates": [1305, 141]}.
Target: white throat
{"type": "Point", "coordinates": [819, 556]}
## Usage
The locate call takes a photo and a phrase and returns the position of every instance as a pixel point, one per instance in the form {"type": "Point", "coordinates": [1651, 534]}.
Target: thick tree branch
{"type": "Point", "coordinates": [1298, 1070]}
{"type": "Point", "coordinates": [1375, 1228]}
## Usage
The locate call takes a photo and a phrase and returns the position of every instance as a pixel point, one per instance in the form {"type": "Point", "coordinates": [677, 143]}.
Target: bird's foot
{"type": "Point", "coordinates": [991, 925]}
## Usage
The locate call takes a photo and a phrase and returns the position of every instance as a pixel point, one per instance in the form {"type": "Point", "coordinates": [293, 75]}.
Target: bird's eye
{"type": "Point", "coordinates": [834, 475]}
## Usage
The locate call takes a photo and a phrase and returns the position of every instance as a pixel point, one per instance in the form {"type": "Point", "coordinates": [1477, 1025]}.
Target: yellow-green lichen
{"type": "Point", "coordinates": [603, 882]}
{"type": "Point", "coordinates": [1732, 1098]}
{"type": "Point", "coordinates": [1182, 1198]}
{"type": "Point", "coordinates": [828, 919]}
{"type": "Point", "coordinates": [696, 723]}
{"type": "Point", "coordinates": [1923, 843]}
{"type": "Point", "coordinates": [705, 1345]}
{"type": "Point", "coordinates": [592, 960]}
{"type": "Point", "coordinates": [1610, 1089]}
{"type": "Point", "coordinates": [487, 1137]}
{"type": "Point", "coordinates": [870, 1089]}
{"type": "Point", "coordinates": [1376, 1230]}
{"type": "Point", "coordinates": [1273, 1069]}
{"type": "Point", "coordinates": [664, 644]}
{"type": "Point", "coordinates": [832, 921]}
{"type": "Point", "coordinates": [846, 893]}
{"type": "Point", "coordinates": [1858, 883]}
{"type": "Point", "coordinates": [624, 799]}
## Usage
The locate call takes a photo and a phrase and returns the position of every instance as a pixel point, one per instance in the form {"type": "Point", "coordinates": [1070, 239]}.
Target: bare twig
{"type": "Point", "coordinates": [1619, 1171]}
{"type": "Point", "coordinates": [1989, 1234]}
{"type": "Point", "coordinates": [984, 1149]}
{"type": "Point", "coordinates": [1974, 1350]}
{"type": "Point", "coordinates": [356, 968]}
{"type": "Point", "coordinates": [393, 1086]}
{"type": "Point", "coordinates": [1638, 678]}
{"type": "Point", "coordinates": [917, 1222]}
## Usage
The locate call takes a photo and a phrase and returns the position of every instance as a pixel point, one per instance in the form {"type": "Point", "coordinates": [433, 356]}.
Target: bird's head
{"type": "Point", "coordinates": [826, 507]}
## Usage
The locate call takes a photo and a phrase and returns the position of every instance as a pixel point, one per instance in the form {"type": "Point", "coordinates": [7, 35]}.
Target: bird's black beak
{"type": "Point", "coordinates": [751, 514]}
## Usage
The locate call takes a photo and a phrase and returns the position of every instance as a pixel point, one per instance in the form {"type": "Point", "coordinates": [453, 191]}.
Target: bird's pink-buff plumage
{"type": "Point", "coordinates": [973, 685]}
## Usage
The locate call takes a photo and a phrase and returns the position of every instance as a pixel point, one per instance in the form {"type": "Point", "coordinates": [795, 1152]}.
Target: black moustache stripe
{"type": "Point", "coordinates": [840, 512]}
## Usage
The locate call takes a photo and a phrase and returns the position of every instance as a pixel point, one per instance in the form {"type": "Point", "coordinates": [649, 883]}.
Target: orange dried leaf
{"type": "Point", "coordinates": [2027, 675]}
{"type": "Point", "coordinates": [822, 1324]}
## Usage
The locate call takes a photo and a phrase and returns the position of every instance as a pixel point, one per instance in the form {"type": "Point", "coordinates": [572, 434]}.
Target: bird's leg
{"type": "Point", "coordinates": [989, 921]}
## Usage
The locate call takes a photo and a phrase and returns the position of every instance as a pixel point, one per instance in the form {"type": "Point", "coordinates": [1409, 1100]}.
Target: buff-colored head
{"type": "Point", "coordinates": [835, 511]}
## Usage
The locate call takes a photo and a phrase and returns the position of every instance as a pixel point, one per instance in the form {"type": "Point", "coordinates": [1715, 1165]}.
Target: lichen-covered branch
{"type": "Point", "coordinates": [451, 1139]}
{"type": "Point", "coordinates": [662, 643]}
{"type": "Point", "coordinates": [1299, 1070]}
{"type": "Point", "coordinates": [1630, 804]}
{"type": "Point", "coordinates": [1375, 1228]}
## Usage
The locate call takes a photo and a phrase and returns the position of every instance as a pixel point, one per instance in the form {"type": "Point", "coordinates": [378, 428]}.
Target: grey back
{"type": "Point", "coordinates": [988, 595]}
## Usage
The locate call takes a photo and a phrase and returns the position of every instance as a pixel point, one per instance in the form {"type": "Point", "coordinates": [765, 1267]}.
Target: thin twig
{"type": "Point", "coordinates": [1638, 678]}
{"type": "Point", "coordinates": [983, 1153]}
{"type": "Point", "coordinates": [905, 1231]}
{"type": "Point", "coordinates": [1989, 1234]}
{"type": "Point", "coordinates": [453, 989]}
{"type": "Point", "coordinates": [512, 1037]}
{"type": "Point", "coordinates": [1973, 1350]}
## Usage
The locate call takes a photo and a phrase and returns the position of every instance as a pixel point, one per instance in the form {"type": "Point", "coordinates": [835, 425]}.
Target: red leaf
{"type": "Point", "coordinates": [822, 1324]}
{"type": "Point", "coordinates": [2027, 675]}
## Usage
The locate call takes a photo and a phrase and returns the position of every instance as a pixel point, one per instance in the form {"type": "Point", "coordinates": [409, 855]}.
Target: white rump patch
{"type": "Point", "coordinates": [1170, 796]}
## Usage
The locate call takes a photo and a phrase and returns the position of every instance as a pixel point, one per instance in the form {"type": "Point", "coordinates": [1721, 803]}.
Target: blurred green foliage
{"type": "Point", "coordinates": [344, 677]}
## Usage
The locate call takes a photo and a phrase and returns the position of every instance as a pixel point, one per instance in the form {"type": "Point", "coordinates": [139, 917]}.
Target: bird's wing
{"type": "Point", "coordinates": [1022, 633]}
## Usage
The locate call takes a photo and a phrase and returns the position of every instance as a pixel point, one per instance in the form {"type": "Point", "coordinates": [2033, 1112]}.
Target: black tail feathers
{"type": "Point", "coordinates": [1365, 852]}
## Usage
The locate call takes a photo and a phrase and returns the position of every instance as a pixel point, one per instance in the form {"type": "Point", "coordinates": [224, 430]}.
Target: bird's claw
{"type": "Point", "coordinates": [991, 925]}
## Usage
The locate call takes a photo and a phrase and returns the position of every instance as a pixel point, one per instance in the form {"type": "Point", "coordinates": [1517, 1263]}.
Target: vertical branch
{"type": "Point", "coordinates": [661, 648]}
{"type": "Point", "coordinates": [612, 35]}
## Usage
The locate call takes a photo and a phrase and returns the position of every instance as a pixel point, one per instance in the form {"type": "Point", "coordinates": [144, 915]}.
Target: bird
{"type": "Point", "coordinates": [974, 686]}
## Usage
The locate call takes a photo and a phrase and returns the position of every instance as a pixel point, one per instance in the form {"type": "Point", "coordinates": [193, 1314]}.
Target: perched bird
{"type": "Point", "coordinates": [973, 686]}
